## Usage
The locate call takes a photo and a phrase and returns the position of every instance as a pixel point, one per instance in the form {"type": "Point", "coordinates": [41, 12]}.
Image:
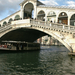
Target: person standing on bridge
{"type": "Point", "coordinates": [51, 21]}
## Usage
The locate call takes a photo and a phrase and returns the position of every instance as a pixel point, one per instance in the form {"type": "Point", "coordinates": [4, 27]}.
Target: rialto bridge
{"type": "Point", "coordinates": [47, 20]}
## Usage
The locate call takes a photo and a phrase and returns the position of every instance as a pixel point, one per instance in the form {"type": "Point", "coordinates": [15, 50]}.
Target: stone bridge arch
{"type": "Point", "coordinates": [51, 33]}
{"type": "Point", "coordinates": [42, 31]}
{"type": "Point", "coordinates": [22, 34]}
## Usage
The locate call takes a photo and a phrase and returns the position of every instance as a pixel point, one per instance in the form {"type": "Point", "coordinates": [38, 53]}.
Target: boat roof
{"type": "Point", "coordinates": [19, 42]}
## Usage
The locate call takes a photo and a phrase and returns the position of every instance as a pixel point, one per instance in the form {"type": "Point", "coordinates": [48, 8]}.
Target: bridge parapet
{"type": "Point", "coordinates": [54, 25]}
{"type": "Point", "coordinates": [28, 22]}
{"type": "Point", "coordinates": [15, 24]}
{"type": "Point", "coordinates": [5, 28]}
{"type": "Point", "coordinates": [20, 21]}
{"type": "Point", "coordinates": [25, 22]}
{"type": "Point", "coordinates": [64, 27]}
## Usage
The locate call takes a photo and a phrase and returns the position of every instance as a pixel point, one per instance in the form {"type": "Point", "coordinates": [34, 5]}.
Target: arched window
{"type": "Point", "coordinates": [72, 20]}
{"type": "Point", "coordinates": [41, 15]}
{"type": "Point", "coordinates": [51, 14]}
{"type": "Point", "coordinates": [10, 20]}
{"type": "Point", "coordinates": [62, 14]}
{"type": "Point", "coordinates": [63, 18]}
{"type": "Point", "coordinates": [17, 17]}
{"type": "Point", "coordinates": [41, 12]}
{"type": "Point", "coordinates": [28, 11]}
{"type": "Point", "coordinates": [4, 23]}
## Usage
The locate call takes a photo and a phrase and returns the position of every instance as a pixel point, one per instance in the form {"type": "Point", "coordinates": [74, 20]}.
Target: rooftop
{"type": "Point", "coordinates": [53, 6]}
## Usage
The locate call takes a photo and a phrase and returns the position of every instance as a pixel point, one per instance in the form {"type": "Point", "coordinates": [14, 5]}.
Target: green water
{"type": "Point", "coordinates": [53, 60]}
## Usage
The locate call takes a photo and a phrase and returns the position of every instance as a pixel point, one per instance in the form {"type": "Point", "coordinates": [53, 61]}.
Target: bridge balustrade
{"type": "Point", "coordinates": [54, 25]}
{"type": "Point", "coordinates": [2, 29]}
{"type": "Point", "coordinates": [62, 26]}
{"type": "Point", "coordinates": [39, 23]}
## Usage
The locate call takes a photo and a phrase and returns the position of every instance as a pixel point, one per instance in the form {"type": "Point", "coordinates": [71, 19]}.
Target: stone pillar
{"type": "Point", "coordinates": [45, 17]}
{"type": "Point", "coordinates": [56, 18]}
{"type": "Point", "coordinates": [68, 20]}
{"type": "Point", "coordinates": [50, 40]}
{"type": "Point", "coordinates": [73, 47]}
{"type": "Point", "coordinates": [35, 11]}
{"type": "Point", "coordinates": [22, 12]}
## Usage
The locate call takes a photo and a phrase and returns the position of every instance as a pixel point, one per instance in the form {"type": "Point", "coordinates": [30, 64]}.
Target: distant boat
{"type": "Point", "coordinates": [20, 45]}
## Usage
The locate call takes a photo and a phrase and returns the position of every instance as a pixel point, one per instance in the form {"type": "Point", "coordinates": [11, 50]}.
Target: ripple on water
{"type": "Point", "coordinates": [51, 60]}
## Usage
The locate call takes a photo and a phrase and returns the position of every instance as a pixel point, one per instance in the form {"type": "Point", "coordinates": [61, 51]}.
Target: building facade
{"type": "Point", "coordinates": [56, 14]}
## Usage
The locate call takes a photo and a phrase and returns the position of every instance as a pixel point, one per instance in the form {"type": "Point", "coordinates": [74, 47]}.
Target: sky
{"type": "Point", "coordinates": [8, 7]}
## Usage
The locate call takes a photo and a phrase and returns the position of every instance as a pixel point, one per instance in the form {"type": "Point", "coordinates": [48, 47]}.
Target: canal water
{"type": "Point", "coordinates": [50, 60]}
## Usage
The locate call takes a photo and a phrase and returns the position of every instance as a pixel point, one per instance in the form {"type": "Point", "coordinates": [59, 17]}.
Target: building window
{"type": "Point", "coordinates": [17, 17]}
{"type": "Point", "coordinates": [51, 13]}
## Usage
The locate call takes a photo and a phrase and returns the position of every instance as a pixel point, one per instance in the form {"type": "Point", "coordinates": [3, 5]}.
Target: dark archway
{"type": "Point", "coordinates": [17, 17]}
{"type": "Point", "coordinates": [23, 34]}
{"type": "Point", "coordinates": [41, 15]}
{"type": "Point", "coordinates": [72, 20]}
{"type": "Point", "coordinates": [28, 9]}
{"type": "Point", "coordinates": [10, 20]}
{"type": "Point", "coordinates": [4, 23]}
{"type": "Point", "coordinates": [63, 18]}
{"type": "Point", "coordinates": [30, 35]}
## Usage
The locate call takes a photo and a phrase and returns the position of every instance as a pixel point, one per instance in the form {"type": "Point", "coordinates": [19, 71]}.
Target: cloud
{"type": "Point", "coordinates": [49, 2]}
{"type": "Point", "coordinates": [8, 7]}
{"type": "Point", "coordinates": [71, 3]}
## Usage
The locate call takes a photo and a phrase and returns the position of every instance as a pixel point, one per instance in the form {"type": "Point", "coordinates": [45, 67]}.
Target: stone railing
{"type": "Point", "coordinates": [37, 22]}
{"type": "Point", "coordinates": [62, 26]}
{"type": "Point", "coordinates": [5, 28]}
{"type": "Point", "coordinates": [14, 23]}
{"type": "Point", "coordinates": [20, 21]}
{"type": "Point", "coordinates": [53, 25]}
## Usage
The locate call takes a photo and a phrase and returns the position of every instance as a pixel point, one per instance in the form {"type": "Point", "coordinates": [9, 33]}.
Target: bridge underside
{"type": "Point", "coordinates": [23, 34]}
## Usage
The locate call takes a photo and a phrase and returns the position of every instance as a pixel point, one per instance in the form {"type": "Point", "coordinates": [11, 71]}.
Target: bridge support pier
{"type": "Point", "coordinates": [73, 50]}
{"type": "Point", "coordinates": [73, 47]}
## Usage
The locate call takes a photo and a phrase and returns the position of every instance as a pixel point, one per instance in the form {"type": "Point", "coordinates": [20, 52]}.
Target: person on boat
{"type": "Point", "coordinates": [9, 46]}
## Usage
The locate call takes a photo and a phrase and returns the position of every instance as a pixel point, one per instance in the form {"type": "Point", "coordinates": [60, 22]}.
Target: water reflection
{"type": "Point", "coordinates": [53, 60]}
